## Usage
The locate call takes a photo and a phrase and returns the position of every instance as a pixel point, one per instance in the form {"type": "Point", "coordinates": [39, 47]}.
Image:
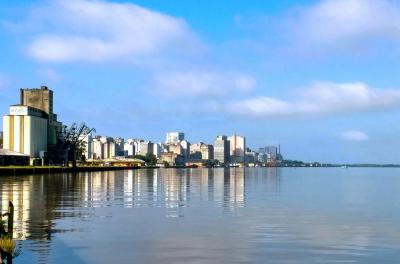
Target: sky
{"type": "Point", "coordinates": [320, 78]}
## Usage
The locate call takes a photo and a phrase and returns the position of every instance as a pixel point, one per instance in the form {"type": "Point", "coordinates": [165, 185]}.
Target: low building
{"type": "Point", "coordinates": [12, 158]}
{"type": "Point", "coordinates": [171, 159]}
{"type": "Point", "coordinates": [251, 157]}
{"type": "Point", "coordinates": [119, 161]}
{"type": "Point", "coordinates": [176, 148]}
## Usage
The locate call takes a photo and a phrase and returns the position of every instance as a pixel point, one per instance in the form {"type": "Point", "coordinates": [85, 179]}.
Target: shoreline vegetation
{"type": "Point", "coordinates": [24, 170]}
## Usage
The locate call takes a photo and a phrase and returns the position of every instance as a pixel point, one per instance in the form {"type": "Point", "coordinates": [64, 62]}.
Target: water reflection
{"type": "Point", "coordinates": [207, 216]}
{"type": "Point", "coordinates": [41, 200]}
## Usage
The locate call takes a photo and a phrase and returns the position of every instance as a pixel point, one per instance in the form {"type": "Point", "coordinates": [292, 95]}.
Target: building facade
{"type": "Point", "coordinates": [42, 98]}
{"type": "Point", "coordinates": [176, 148]}
{"type": "Point", "coordinates": [237, 149]}
{"type": "Point", "coordinates": [87, 141]}
{"type": "Point", "coordinates": [207, 152]}
{"type": "Point", "coordinates": [174, 137]}
{"type": "Point", "coordinates": [25, 130]}
{"type": "Point", "coordinates": [145, 147]}
{"type": "Point", "coordinates": [171, 159]}
{"type": "Point", "coordinates": [129, 149]}
{"type": "Point", "coordinates": [185, 148]}
{"type": "Point", "coordinates": [222, 149]}
{"type": "Point", "coordinates": [157, 149]}
{"type": "Point", "coordinates": [195, 151]}
{"type": "Point", "coordinates": [119, 146]}
{"type": "Point", "coordinates": [31, 127]}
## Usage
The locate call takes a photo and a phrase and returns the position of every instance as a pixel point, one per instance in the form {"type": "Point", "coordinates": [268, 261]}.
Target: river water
{"type": "Point", "coordinates": [252, 215]}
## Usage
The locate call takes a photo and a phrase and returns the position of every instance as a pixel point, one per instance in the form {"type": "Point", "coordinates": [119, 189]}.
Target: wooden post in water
{"type": "Point", "coordinates": [10, 219]}
{"type": "Point", "coordinates": [10, 228]}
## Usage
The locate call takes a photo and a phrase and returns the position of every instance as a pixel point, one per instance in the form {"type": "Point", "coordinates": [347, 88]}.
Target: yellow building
{"type": "Point", "coordinates": [31, 126]}
{"type": "Point", "coordinates": [25, 130]}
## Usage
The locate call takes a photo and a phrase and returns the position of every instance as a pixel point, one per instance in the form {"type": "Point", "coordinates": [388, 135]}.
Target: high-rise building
{"type": "Point", "coordinates": [109, 147]}
{"type": "Point", "coordinates": [119, 146]}
{"type": "Point", "coordinates": [237, 148]}
{"type": "Point", "coordinates": [201, 151]}
{"type": "Point", "coordinates": [146, 147]}
{"type": "Point", "coordinates": [270, 154]}
{"type": "Point", "coordinates": [207, 152]}
{"type": "Point", "coordinates": [186, 148]}
{"type": "Point", "coordinates": [97, 148]}
{"type": "Point", "coordinates": [157, 149]}
{"type": "Point", "coordinates": [87, 141]}
{"type": "Point", "coordinates": [195, 151]}
{"type": "Point", "coordinates": [221, 149]}
{"type": "Point", "coordinates": [129, 148]}
{"type": "Point", "coordinates": [174, 137]}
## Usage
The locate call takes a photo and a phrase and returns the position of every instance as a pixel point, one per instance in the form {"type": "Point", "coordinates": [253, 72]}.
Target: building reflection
{"type": "Point", "coordinates": [41, 200]}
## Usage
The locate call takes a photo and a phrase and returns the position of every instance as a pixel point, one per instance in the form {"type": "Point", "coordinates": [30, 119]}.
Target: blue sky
{"type": "Point", "coordinates": [318, 77]}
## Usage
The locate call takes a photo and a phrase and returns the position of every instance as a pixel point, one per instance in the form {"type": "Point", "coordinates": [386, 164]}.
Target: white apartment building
{"type": "Point", "coordinates": [129, 149]}
{"type": "Point", "coordinates": [186, 148]}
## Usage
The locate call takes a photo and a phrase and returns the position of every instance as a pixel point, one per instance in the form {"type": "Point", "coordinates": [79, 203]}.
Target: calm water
{"type": "Point", "coordinates": [255, 215]}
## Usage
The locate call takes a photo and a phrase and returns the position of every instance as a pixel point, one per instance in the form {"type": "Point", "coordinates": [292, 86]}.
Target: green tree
{"type": "Point", "coordinates": [150, 159]}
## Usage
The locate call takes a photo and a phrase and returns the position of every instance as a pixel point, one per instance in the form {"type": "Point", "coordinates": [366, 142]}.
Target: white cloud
{"type": "Point", "coordinates": [96, 30]}
{"type": "Point", "coordinates": [320, 99]}
{"type": "Point", "coordinates": [354, 135]}
{"type": "Point", "coordinates": [203, 83]}
{"type": "Point", "coordinates": [346, 23]}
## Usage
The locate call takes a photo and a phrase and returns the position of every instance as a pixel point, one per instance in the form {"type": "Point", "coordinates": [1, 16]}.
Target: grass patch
{"type": "Point", "coordinates": [8, 245]}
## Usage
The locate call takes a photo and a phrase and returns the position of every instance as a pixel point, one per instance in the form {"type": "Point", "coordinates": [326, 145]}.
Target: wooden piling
{"type": "Point", "coordinates": [10, 219]}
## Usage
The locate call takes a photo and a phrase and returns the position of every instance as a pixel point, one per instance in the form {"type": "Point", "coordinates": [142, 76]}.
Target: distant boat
{"type": "Point", "coordinates": [344, 167]}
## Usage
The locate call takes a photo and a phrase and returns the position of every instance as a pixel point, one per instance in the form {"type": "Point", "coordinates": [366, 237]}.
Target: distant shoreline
{"type": "Point", "coordinates": [13, 171]}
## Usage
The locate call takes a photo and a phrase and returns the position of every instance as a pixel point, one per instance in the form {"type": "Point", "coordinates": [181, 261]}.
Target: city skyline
{"type": "Point", "coordinates": [263, 70]}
